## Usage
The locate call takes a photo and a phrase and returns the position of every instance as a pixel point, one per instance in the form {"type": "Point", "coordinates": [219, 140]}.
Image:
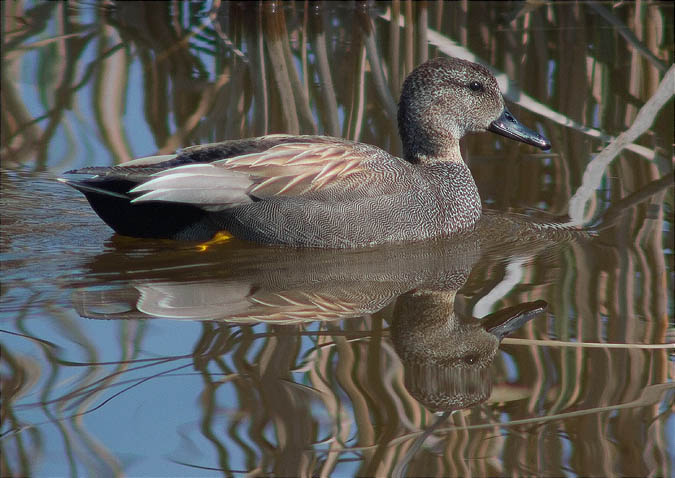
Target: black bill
{"type": "Point", "coordinates": [505, 321]}
{"type": "Point", "coordinates": [507, 125]}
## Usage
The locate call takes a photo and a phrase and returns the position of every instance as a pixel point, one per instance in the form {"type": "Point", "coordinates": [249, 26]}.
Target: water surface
{"type": "Point", "coordinates": [139, 357]}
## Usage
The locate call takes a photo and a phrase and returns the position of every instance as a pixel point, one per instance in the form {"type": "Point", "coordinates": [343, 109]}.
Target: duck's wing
{"type": "Point", "coordinates": [120, 179]}
{"type": "Point", "coordinates": [329, 170]}
{"type": "Point", "coordinates": [140, 169]}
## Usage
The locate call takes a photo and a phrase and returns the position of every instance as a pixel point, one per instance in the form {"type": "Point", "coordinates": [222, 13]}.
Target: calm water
{"type": "Point", "coordinates": [157, 358]}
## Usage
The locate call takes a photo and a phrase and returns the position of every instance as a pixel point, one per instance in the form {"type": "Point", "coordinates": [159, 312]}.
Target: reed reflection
{"type": "Point", "coordinates": [85, 83]}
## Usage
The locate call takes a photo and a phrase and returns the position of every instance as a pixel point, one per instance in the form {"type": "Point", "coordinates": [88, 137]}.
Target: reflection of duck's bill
{"type": "Point", "coordinates": [505, 321]}
{"type": "Point", "coordinates": [507, 125]}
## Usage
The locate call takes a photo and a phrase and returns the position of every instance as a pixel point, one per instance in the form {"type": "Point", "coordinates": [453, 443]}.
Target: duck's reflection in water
{"type": "Point", "coordinates": [446, 355]}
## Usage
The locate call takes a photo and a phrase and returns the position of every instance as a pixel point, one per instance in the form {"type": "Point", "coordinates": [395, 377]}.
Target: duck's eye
{"type": "Point", "coordinates": [470, 359]}
{"type": "Point", "coordinates": [476, 86]}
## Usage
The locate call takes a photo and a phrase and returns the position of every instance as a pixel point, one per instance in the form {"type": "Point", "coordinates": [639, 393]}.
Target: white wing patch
{"type": "Point", "coordinates": [203, 184]}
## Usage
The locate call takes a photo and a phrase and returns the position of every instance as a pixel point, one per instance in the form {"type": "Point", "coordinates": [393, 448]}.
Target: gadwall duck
{"type": "Point", "coordinates": [319, 191]}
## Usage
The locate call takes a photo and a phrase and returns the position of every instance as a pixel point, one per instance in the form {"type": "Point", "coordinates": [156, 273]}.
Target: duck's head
{"type": "Point", "coordinates": [446, 98]}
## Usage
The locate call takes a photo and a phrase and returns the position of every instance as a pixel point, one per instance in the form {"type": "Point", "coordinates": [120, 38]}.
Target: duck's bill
{"type": "Point", "coordinates": [505, 321]}
{"type": "Point", "coordinates": [507, 125]}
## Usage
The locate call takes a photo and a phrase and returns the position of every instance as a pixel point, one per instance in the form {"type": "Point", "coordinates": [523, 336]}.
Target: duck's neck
{"type": "Point", "coordinates": [426, 308]}
{"type": "Point", "coordinates": [456, 190]}
{"type": "Point", "coordinates": [430, 153]}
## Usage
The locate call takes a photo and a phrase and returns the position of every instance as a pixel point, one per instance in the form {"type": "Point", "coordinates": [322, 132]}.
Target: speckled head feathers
{"type": "Point", "coordinates": [441, 101]}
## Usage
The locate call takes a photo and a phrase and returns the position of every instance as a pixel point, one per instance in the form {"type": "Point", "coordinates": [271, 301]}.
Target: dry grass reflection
{"type": "Point", "coordinates": [586, 389]}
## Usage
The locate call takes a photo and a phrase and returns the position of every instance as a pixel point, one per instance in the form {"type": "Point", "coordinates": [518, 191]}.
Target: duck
{"type": "Point", "coordinates": [319, 191]}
